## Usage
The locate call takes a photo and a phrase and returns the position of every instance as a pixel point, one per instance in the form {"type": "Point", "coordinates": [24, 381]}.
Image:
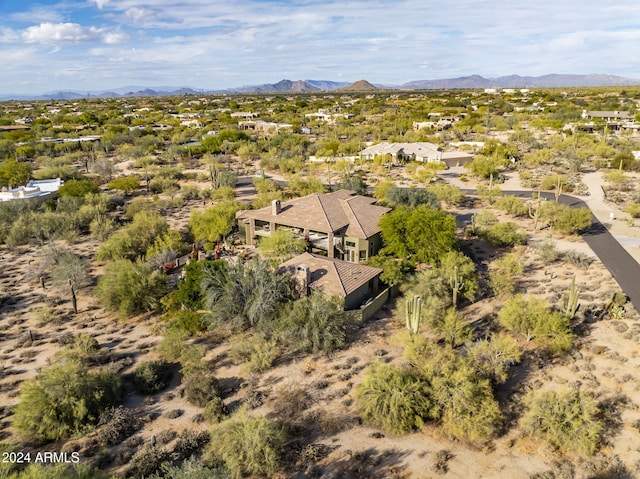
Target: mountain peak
{"type": "Point", "coordinates": [360, 85]}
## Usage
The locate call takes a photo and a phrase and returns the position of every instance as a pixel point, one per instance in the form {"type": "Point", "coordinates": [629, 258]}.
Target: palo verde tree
{"type": "Point", "coordinates": [64, 400]}
{"type": "Point", "coordinates": [130, 288]}
{"type": "Point", "coordinates": [282, 245]}
{"type": "Point", "coordinates": [422, 234]}
{"type": "Point", "coordinates": [213, 223]}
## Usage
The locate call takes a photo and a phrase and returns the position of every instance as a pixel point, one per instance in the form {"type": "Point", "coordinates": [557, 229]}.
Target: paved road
{"type": "Point", "coordinates": [622, 266]}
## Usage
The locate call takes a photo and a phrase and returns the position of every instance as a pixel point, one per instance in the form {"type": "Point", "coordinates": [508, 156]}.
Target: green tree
{"type": "Point", "coordinates": [354, 183]}
{"type": "Point", "coordinates": [134, 240]}
{"type": "Point", "coordinates": [569, 420]}
{"type": "Point", "coordinates": [448, 194]}
{"type": "Point", "coordinates": [213, 223]}
{"type": "Point", "coordinates": [126, 184]}
{"type": "Point", "coordinates": [411, 197]}
{"type": "Point", "coordinates": [130, 288]}
{"type": "Point", "coordinates": [282, 245]}
{"type": "Point", "coordinates": [14, 173]}
{"type": "Point", "coordinates": [423, 234]}
{"type": "Point", "coordinates": [504, 234]}
{"type": "Point", "coordinates": [78, 188]}
{"type": "Point", "coordinates": [189, 292]}
{"type": "Point", "coordinates": [394, 270]}
{"type": "Point", "coordinates": [247, 445]}
{"type": "Point", "coordinates": [64, 400]}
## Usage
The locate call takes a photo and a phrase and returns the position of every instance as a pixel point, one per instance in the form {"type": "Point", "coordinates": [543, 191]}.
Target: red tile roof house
{"type": "Point", "coordinates": [354, 283]}
{"type": "Point", "coordinates": [340, 225]}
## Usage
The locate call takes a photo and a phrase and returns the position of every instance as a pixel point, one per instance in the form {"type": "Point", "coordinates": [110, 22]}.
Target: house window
{"type": "Point", "coordinates": [363, 255]}
{"type": "Point", "coordinates": [350, 255]}
{"type": "Point", "coordinates": [351, 244]}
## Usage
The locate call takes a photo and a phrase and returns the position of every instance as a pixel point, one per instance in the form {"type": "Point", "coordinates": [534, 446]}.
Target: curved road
{"type": "Point", "coordinates": [622, 266]}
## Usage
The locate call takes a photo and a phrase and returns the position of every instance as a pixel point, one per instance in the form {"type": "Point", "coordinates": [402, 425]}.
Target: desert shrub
{"type": "Point", "coordinates": [240, 295]}
{"type": "Point", "coordinates": [201, 387]}
{"type": "Point", "coordinates": [504, 234]}
{"type": "Point", "coordinates": [547, 250]}
{"type": "Point", "coordinates": [577, 258]}
{"type": "Point", "coordinates": [189, 292]}
{"type": "Point", "coordinates": [568, 420]}
{"type": "Point", "coordinates": [116, 424]}
{"type": "Point", "coordinates": [189, 469]}
{"type": "Point", "coordinates": [393, 399]}
{"type": "Point", "coordinates": [512, 205]}
{"type": "Point", "coordinates": [130, 288]}
{"type": "Point", "coordinates": [190, 322]}
{"type": "Point", "coordinates": [314, 323]}
{"type": "Point", "coordinates": [57, 471]}
{"type": "Point", "coordinates": [507, 270]}
{"type": "Point", "coordinates": [633, 209]}
{"type": "Point", "coordinates": [290, 401]}
{"type": "Point", "coordinates": [133, 240]}
{"type": "Point", "coordinates": [215, 411]}
{"type": "Point", "coordinates": [248, 445]}
{"type": "Point", "coordinates": [151, 377]}
{"type": "Point", "coordinates": [190, 442]}
{"type": "Point", "coordinates": [484, 219]}
{"type": "Point", "coordinates": [146, 461]}
{"type": "Point", "coordinates": [172, 344]}
{"type": "Point", "coordinates": [491, 358]}
{"type": "Point", "coordinates": [64, 400]}
{"type": "Point", "coordinates": [566, 219]}
{"type": "Point", "coordinates": [449, 194]}
{"type": "Point", "coordinates": [78, 188]}
{"type": "Point", "coordinates": [533, 318]}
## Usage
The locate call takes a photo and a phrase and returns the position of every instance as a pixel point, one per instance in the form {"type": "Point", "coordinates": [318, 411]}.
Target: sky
{"type": "Point", "coordinates": [95, 45]}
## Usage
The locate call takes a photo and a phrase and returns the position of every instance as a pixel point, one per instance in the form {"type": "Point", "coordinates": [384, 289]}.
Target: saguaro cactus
{"type": "Point", "coordinates": [413, 313]}
{"type": "Point", "coordinates": [536, 213]}
{"type": "Point", "coordinates": [456, 286]}
{"type": "Point", "coordinates": [571, 304]}
{"type": "Point", "coordinates": [74, 303]}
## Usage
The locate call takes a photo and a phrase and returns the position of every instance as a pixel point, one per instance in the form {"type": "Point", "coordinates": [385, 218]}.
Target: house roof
{"type": "Point", "coordinates": [417, 149]}
{"type": "Point", "coordinates": [326, 213]}
{"type": "Point", "coordinates": [332, 275]}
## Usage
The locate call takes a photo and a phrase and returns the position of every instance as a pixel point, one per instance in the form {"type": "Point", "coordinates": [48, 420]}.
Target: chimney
{"type": "Point", "coordinates": [275, 207]}
{"type": "Point", "coordinates": [303, 278]}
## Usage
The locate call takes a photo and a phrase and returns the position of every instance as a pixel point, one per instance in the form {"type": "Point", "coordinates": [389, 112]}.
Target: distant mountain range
{"type": "Point", "coordinates": [310, 86]}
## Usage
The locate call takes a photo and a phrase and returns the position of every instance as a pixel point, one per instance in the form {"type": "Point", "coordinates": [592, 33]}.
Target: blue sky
{"type": "Point", "coordinates": [53, 45]}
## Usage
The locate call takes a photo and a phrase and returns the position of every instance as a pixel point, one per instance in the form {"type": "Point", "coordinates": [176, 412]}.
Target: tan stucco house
{"type": "Point", "coordinates": [340, 225]}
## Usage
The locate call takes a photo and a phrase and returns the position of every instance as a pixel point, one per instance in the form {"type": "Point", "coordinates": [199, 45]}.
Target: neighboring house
{"type": "Point", "coordinates": [340, 224]}
{"type": "Point", "coordinates": [264, 126]}
{"type": "Point", "coordinates": [607, 115]}
{"type": "Point", "coordinates": [355, 283]}
{"type": "Point", "coordinates": [245, 114]}
{"type": "Point", "coordinates": [420, 151]}
{"type": "Point", "coordinates": [35, 189]}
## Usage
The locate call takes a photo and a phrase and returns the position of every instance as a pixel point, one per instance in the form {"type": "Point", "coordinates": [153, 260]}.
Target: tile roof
{"type": "Point", "coordinates": [326, 212]}
{"type": "Point", "coordinates": [332, 275]}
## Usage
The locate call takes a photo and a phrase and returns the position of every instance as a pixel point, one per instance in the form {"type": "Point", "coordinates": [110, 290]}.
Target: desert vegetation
{"type": "Point", "coordinates": [140, 332]}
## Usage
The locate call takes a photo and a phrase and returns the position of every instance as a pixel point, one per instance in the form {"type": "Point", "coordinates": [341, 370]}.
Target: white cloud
{"type": "Point", "coordinates": [61, 33]}
{"type": "Point", "coordinates": [70, 33]}
{"type": "Point", "coordinates": [100, 3]}
{"type": "Point", "coordinates": [114, 38]}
